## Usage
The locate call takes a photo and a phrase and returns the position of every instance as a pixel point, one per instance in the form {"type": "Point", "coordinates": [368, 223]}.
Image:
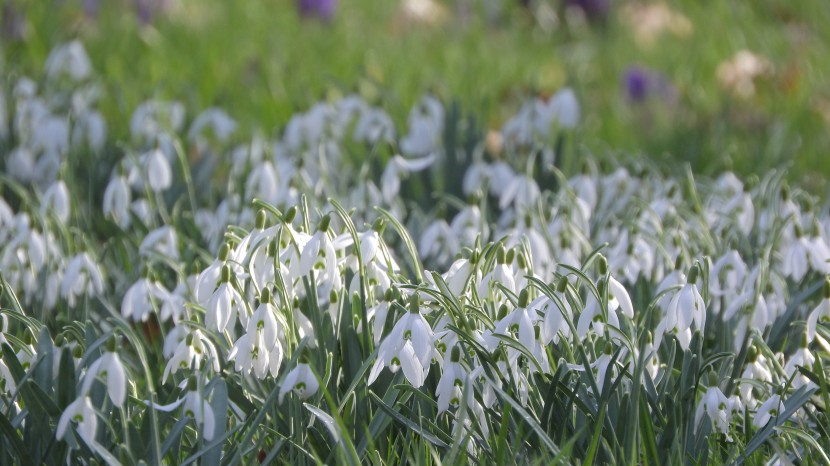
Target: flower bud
{"type": "Point", "coordinates": [260, 219]}
{"type": "Point", "coordinates": [290, 214]}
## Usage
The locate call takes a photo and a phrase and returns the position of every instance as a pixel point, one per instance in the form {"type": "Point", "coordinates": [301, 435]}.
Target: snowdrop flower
{"type": "Point", "coordinates": [224, 304]}
{"type": "Point", "coordinates": [250, 354]}
{"type": "Point", "coordinates": [439, 242]}
{"type": "Point", "coordinates": [757, 369]}
{"type": "Point", "coordinates": [804, 358]}
{"type": "Point", "coordinates": [461, 273]}
{"type": "Point", "coordinates": [162, 241]}
{"type": "Point", "coordinates": [426, 121]}
{"type": "Point", "coordinates": [521, 193]}
{"type": "Point", "coordinates": [154, 117]}
{"type": "Point", "coordinates": [409, 347]}
{"type": "Point", "coordinates": [501, 274]}
{"type": "Point", "coordinates": [81, 412]}
{"type": "Point", "coordinates": [564, 108]}
{"type": "Point", "coordinates": [139, 300]}
{"type": "Point", "coordinates": [685, 308]}
{"type": "Point", "coordinates": [158, 174]}
{"type": "Point", "coordinates": [82, 277]}
{"type": "Point", "coordinates": [301, 380]}
{"type": "Point", "coordinates": [450, 386]}
{"type": "Point", "coordinates": [189, 354]}
{"type": "Point", "coordinates": [390, 180]}
{"type": "Point", "coordinates": [20, 164]}
{"type": "Point", "coordinates": [196, 407]}
{"type": "Point", "coordinates": [109, 366]}
{"type": "Point", "coordinates": [91, 129]}
{"type": "Point", "coordinates": [56, 201]}
{"type": "Point", "coordinates": [768, 410]}
{"type": "Point", "coordinates": [558, 314]}
{"type": "Point", "coordinates": [215, 120]}
{"type": "Point", "coordinates": [117, 200]}
{"type": "Point", "coordinates": [374, 126]}
{"type": "Point", "coordinates": [320, 256]}
{"type": "Point", "coordinates": [70, 60]}
{"type": "Point", "coordinates": [716, 406]}
{"type": "Point", "coordinates": [821, 313]}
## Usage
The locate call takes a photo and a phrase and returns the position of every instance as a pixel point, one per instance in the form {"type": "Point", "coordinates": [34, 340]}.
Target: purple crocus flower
{"type": "Point", "coordinates": [321, 9]}
{"type": "Point", "coordinates": [640, 84]}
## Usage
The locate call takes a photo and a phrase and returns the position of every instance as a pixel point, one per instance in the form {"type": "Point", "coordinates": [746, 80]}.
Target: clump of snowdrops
{"type": "Point", "coordinates": [351, 292]}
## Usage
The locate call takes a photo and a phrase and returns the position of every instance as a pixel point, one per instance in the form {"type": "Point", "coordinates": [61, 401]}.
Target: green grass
{"type": "Point", "coordinates": [261, 62]}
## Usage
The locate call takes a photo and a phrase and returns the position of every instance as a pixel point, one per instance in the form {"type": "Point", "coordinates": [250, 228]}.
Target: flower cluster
{"type": "Point", "coordinates": [602, 286]}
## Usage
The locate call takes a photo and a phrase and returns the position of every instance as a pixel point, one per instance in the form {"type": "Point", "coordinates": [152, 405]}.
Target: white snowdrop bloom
{"type": "Point", "coordinates": [69, 60]}
{"type": "Point", "coordinates": [108, 366]}
{"type": "Point", "coordinates": [461, 273]}
{"type": "Point", "coordinates": [224, 304]}
{"type": "Point", "coordinates": [795, 261]}
{"type": "Point", "coordinates": [141, 209]}
{"type": "Point", "coordinates": [82, 277]}
{"type": "Point", "coordinates": [820, 313]}
{"type": "Point", "coordinates": [716, 406]}
{"type": "Point", "coordinates": [374, 126]}
{"type": "Point", "coordinates": [468, 224]}
{"type": "Point", "coordinates": [687, 306]}
{"type": "Point", "coordinates": [475, 178]}
{"type": "Point", "coordinates": [558, 313]}
{"type": "Point", "coordinates": [564, 108]}
{"type": "Point", "coordinates": [397, 166]}
{"type": "Point", "coordinates": [250, 355]}
{"type": "Point", "coordinates": [20, 164]}
{"type": "Point", "coordinates": [191, 351]}
{"type": "Point", "coordinates": [173, 304]}
{"type": "Point", "coordinates": [141, 298]}
{"type": "Point", "coordinates": [176, 335]}
{"type": "Point", "coordinates": [90, 129]}
{"type": "Point", "coordinates": [585, 188]}
{"type": "Point", "coordinates": [214, 120]}
{"type": "Point", "coordinates": [520, 324]}
{"type": "Point", "coordinates": [196, 407]}
{"type": "Point", "coordinates": [7, 384]}
{"type": "Point", "coordinates": [618, 298]}
{"type": "Point", "coordinates": [50, 135]}
{"type": "Point", "coordinates": [632, 257]}
{"type": "Point", "coordinates": [81, 412]}
{"type": "Point", "coordinates": [769, 409]}
{"type": "Point", "coordinates": [727, 274]}
{"type": "Point", "coordinates": [409, 347]}
{"type": "Point", "coordinates": [158, 174]}
{"type": "Point", "coordinates": [757, 369]}
{"type": "Point", "coordinates": [439, 242]}
{"type": "Point", "coordinates": [320, 256]}
{"type": "Point", "coordinates": [162, 241]}
{"type": "Point", "coordinates": [501, 274]}
{"type": "Point", "coordinates": [592, 318]}
{"type": "Point", "coordinates": [426, 123]}
{"type": "Point", "coordinates": [450, 386]}
{"type": "Point", "coordinates": [117, 200]}
{"type": "Point", "coordinates": [521, 193]}
{"type": "Point", "coordinates": [802, 357]}
{"type": "Point", "coordinates": [154, 118]}
{"type": "Point", "coordinates": [602, 366]}
{"type": "Point", "coordinates": [818, 251]}
{"type": "Point", "coordinates": [674, 279]}
{"type": "Point", "coordinates": [56, 201]}
{"type": "Point", "coordinates": [301, 380]}
{"type": "Point", "coordinates": [264, 183]}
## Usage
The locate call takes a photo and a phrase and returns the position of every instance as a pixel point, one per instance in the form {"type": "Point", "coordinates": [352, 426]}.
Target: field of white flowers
{"type": "Point", "coordinates": [356, 292]}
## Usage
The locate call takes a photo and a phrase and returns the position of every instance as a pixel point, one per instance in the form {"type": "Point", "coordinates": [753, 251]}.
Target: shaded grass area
{"type": "Point", "coordinates": [261, 62]}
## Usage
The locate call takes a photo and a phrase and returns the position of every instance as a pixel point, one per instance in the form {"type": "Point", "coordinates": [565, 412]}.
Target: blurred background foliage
{"type": "Point", "coordinates": [719, 84]}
